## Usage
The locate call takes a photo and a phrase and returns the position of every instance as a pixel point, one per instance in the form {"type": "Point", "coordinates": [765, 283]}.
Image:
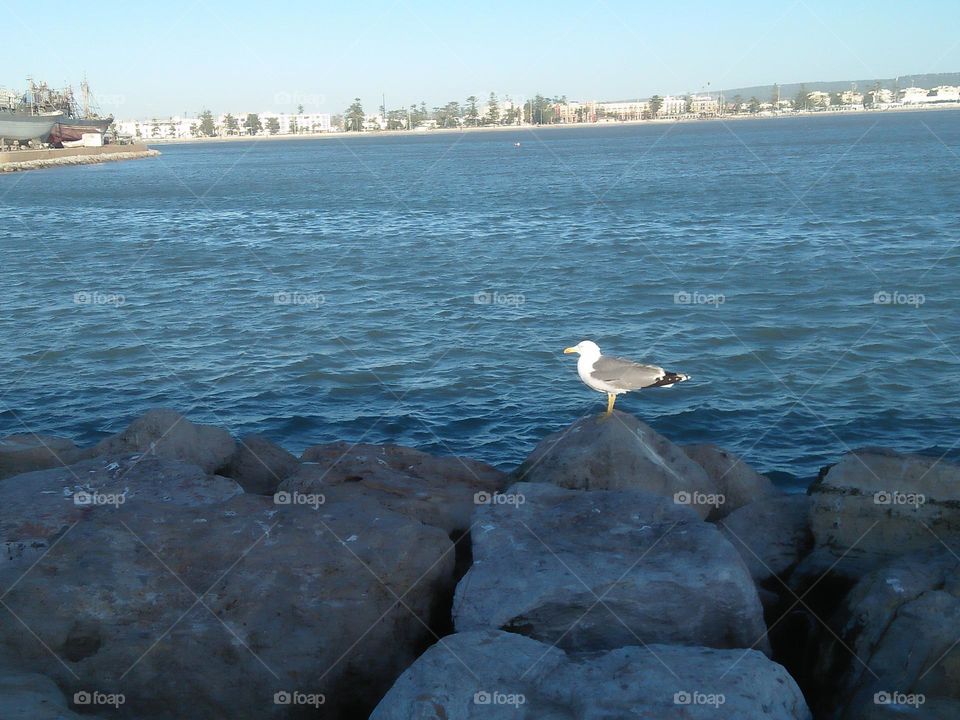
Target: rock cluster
{"type": "Point", "coordinates": [172, 570]}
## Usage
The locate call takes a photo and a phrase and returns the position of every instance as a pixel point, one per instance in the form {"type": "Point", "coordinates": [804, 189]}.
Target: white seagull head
{"type": "Point", "coordinates": [585, 348]}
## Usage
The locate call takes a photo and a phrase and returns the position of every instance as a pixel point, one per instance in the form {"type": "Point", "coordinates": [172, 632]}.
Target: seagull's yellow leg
{"type": "Point", "coordinates": [611, 399]}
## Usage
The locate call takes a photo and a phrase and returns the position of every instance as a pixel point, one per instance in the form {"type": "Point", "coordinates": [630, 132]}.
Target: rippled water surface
{"type": "Point", "coordinates": [328, 289]}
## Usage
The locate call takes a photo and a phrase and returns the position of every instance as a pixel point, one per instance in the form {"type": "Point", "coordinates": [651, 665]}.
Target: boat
{"type": "Point", "coordinates": [20, 125]}
{"type": "Point", "coordinates": [71, 129]}
{"type": "Point", "coordinates": [75, 121]}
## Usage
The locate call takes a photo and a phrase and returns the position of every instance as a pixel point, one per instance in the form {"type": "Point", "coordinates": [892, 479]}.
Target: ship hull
{"type": "Point", "coordinates": [24, 126]}
{"type": "Point", "coordinates": [73, 129]}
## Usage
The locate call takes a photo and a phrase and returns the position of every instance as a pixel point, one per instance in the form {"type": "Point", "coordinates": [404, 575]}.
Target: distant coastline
{"type": "Point", "coordinates": [528, 127]}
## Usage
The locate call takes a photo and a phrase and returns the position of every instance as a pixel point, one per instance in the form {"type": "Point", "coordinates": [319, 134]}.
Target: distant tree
{"type": "Point", "coordinates": [801, 100]}
{"type": "Point", "coordinates": [155, 128]}
{"type": "Point", "coordinates": [754, 105]}
{"type": "Point", "coordinates": [656, 104]}
{"type": "Point", "coordinates": [397, 119]}
{"type": "Point", "coordinates": [737, 103]}
{"type": "Point", "coordinates": [472, 115]}
{"type": "Point", "coordinates": [299, 109]}
{"type": "Point", "coordinates": [293, 128]}
{"type": "Point", "coordinates": [194, 130]}
{"type": "Point", "coordinates": [775, 97]}
{"type": "Point", "coordinates": [354, 116]}
{"type": "Point", "coordinates": [448, 116]}
{"type": "Point", "coordinates": [493, 110]}
{"type": "Point", "coordinates": [207, 127]}
{"type": "Point", "coordinates": [231, 125]}
{"type": "Point", "coordinates": [688, 103]}
{"type": "Point", "coordinates": [273, 125]}
{"type": "Point", "coordinates": [540, 110]}
{"type": "Point", "coordinates": [253, 124]}
{"type": "Point", "coordinates": [836, 98]}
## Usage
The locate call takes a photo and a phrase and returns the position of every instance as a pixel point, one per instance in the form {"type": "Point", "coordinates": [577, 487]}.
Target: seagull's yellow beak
{"type": "Point", "coordinates": [569, 350]}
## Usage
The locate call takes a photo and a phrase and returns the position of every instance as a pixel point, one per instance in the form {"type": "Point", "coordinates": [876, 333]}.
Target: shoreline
{"type": "Point", "coordinates": [527, 127]}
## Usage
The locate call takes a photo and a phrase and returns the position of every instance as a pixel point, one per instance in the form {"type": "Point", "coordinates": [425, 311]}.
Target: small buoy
{"type": "Point", "coordinates": [516, 144]}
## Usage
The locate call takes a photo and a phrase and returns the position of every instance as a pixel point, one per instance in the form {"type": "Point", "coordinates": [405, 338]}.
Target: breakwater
{"type": "Point", "coordinates": [16, 160]}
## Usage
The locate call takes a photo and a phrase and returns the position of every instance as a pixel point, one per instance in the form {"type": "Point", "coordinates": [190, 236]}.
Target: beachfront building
{"type": "Point", "coordinates": [170, 128]}
{"type": "Point", "coordinates": [818, 99]}
{"type": "Point", "coordinates": [621, 110]}
{"type": "Point", "coordinates": [914, 96]}
{"type": "Point", "coordinates": [946, 93]}
{"type": "Point", "coordinates": [572, 112]}
{"type": "Point", "coordinates": [673, 106]}
{"type": "Point", "coordinates": [704, 105]}
{"type": "Point", "coordinates": [297, 123]}
{"type": "Point", "coordinates": [851, 97]}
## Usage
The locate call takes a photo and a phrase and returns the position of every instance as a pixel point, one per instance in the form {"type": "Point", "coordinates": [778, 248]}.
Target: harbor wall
{"type": "Point", "coordinates": [40, 159]}
{"type": "Point", "coordinates": [19, 156]}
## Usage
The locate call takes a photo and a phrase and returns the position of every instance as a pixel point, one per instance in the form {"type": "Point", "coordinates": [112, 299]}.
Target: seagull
{"type": "Point", "coordinates": [614, 375]}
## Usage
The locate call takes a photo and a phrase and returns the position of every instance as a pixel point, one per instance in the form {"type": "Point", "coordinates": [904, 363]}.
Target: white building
{"type": "Point", "coordinates": [622, 109]}
{"type": "Point", "coordinates": [914, 96]}
{"type": "Point", "coordinates": [704, 105]}
{"type": "Point", "coordinates": [946, 93]}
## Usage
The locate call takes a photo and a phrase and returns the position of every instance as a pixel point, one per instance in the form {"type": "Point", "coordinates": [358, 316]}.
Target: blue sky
{"type": "Point", "coordinates": [169, 57]}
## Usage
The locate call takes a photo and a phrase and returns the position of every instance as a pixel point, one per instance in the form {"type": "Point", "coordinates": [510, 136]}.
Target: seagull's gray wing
{"type": "Point", "coordinates": [626, 374]}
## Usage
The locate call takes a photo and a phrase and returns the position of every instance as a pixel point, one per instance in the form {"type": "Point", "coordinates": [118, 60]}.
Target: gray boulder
{"type": "Point", "coordinates": [618, 453]}
{"type": "Point", "coordinates": [599, 570]}
{"type": "Point", "coordinates": [739, 483]}
{"type": "Point", "coordinates": [439, 491]}
{"type": "Point", "coordinates": [875, 505]}
{"type": "Point", "coordinates": [29, 696]}
{"type": "Point", "coordinates": [259, 466]}
{"type": "Point", "coordinates": [495, 675]}
{"type": "Point", "coordinates": [168, 434]}
{"type": "Point", "coordinates": [772, 535]}
{"type": "Point", "coordinates": [210, 612]}
{"type": "Point", "coordinates": [36, 507]}
{"type": "Point", "coordinates": [29, 452]}
{"type": "Point", "coordinates": [899, 620]}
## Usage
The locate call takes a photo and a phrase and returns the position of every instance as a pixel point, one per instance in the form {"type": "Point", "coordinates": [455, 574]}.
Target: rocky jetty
{"type": "Point", "coordinates": [173, 570]}
{"type": "Point", "coordinates": [66, 160]}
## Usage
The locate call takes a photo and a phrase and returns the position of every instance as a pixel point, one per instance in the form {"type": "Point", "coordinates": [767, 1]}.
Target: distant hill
{"type": "Point", "coordinates": [789, 90]}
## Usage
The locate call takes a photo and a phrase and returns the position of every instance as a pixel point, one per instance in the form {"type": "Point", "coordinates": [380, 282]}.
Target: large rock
{"type": "Point", "coordinates": [739, 483]}
{"type": "Point", "coordinates": [36, 507]}
{"type": "Point", "coordinates": [439, 491]}
{"type": "Point", "coordinates": [900, 621]}
{"type": "Point", "coordinates": [496, 675]}
{"type": "Point", "coordinates": [29, 452]}
{"type": "Point", "coordinates": [619, 453]}
{"type": "Point", "coordinates": [209, 612]}
{"type": "Point", "coordinates": [875, 505]}
{"type": "Point", "coordinates": [600, 570]}
{"type": "Point", "coordinates": [168, 434]}
{"type": "Point", "coordinates": [771, 535]}
{"type": "Point", "coordinates": [259, 466]}
{"type": "Point", "coordinates": [29, 696]}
